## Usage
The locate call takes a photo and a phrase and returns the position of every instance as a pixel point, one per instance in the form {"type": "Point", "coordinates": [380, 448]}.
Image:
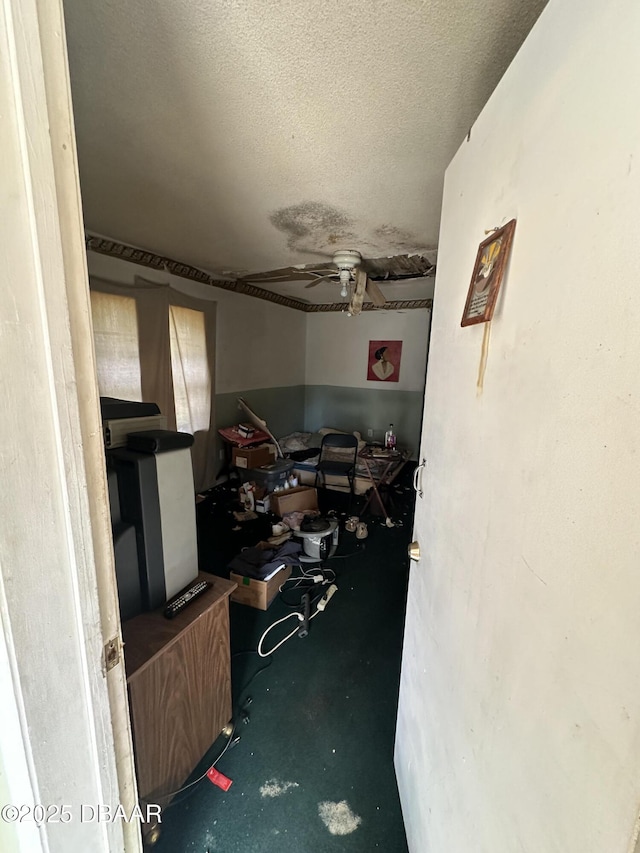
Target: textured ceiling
{"type": "Point", "coordinates": [244, 135]}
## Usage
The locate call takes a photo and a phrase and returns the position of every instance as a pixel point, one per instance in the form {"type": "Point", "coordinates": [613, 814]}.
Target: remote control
{"type": "Point", "coordinates": [177, 604]}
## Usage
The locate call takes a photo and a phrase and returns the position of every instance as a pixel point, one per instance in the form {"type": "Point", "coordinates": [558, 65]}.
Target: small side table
{"type": "Point", "coordinates": [382, 467]}
{"type": "Point", "coordinates": [231, 438]}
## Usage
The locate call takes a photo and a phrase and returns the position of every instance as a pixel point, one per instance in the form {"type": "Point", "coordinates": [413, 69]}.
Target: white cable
{"type": "Point", "coordinates": [262, 654]}
{"type": "Point", "coordinates": [299, 617]}
{"type": "Point", "coordinates": [314, 578]}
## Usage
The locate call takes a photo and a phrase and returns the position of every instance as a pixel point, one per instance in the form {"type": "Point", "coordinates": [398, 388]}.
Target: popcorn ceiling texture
{"type": "Point", "coordinates": [239, 135]}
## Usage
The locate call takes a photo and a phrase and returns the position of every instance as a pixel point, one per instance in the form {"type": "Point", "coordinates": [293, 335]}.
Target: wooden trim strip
{"type": "Point", "coordinates": [114, 249]}
{"type": "Point", "coordinates": [398, 305]}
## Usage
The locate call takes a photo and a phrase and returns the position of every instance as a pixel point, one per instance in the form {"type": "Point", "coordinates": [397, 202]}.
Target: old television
{"type": "Point", "coordinates": [152, 503]}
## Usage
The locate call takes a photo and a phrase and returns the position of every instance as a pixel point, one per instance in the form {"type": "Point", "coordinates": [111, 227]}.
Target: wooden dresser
{"type": "Point", "coordinates": [179, 677]}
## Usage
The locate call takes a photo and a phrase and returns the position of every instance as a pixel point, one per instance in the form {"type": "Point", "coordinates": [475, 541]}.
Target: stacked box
{"type": "Point", "coordinates": [301, 499]}
{"type": "Point", "coordinates": [256, 593]}
{"type": "Point", "coordinates": [253, 457]}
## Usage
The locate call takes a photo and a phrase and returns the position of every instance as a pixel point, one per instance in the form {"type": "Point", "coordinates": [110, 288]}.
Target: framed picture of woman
{"type": "Point", "coordinates": [384, 361]}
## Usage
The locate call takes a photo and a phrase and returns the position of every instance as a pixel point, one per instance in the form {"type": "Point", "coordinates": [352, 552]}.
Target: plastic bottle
{"type": "Point", "coordinates": [390, 438]}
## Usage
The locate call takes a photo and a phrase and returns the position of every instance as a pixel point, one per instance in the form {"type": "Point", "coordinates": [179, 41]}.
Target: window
{"type": "Point", "coordinates": [115, 335]}
{"type": "Point", "coordinates": [190, 369]}
{"type": "Point", "coordinates": [156, 345]}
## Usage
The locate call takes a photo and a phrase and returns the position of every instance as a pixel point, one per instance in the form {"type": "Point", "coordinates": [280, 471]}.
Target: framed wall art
{"type": "Point", "coordinates": [384, 361]}
{"type": "Point", "coordinates": [488, 272]}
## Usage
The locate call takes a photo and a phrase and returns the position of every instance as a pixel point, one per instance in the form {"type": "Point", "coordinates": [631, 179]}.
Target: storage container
{"type": "Point", "coordinates": [269, 476]}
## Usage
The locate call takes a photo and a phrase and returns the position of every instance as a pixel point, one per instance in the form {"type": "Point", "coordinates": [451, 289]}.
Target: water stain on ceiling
{"type": "Point", "coordinates": [317, 228]}
{"type": "Point", "coordinates": [312, 221]}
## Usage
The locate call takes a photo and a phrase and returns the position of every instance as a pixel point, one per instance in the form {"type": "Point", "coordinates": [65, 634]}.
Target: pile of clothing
{"type": "Point", "coordinates": [260, 563]}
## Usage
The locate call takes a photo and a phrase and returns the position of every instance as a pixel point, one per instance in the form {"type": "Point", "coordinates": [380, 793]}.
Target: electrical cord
{"type": "Point", "coordinates": [300, 579]}
{"type": "Point", "coordinates": [317, 575]}
{"type": "Point", "coordinates": [190, 785]}
{"type": "Point", "coordinates": [308, 600]}
{"type": "Point", "coordinates": [358, 550]}
{"type": "Point", "coordinates": [299, 617]}
{"type": "Point", "coordinates": [255, 674]}
{"type": "Point", "coordinates": [311, 578]}
{"type": "Point", "coordinates": [316, 586]}
{"type": "Point", "coordinates": [293, 602]}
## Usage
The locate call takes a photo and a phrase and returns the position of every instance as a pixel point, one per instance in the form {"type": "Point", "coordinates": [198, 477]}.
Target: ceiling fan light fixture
{"type": "Point", "coordinates": [345, 279]}
{"type": "Point", "coordinates": [346, 260]}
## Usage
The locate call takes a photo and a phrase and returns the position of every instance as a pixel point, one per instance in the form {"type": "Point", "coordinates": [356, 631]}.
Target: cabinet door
{"type": "Point", "coordinates": [181, 702]}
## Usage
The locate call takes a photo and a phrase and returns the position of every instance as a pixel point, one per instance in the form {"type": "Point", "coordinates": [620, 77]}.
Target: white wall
{"type": "Point", "coordinates": [337, 391]}
{"type": "Point", "coordinates": [519, 725]}
{"type": "Point", "coordinates": [258, 344]}
{"type": "Point", "coordinates": [338, 348]}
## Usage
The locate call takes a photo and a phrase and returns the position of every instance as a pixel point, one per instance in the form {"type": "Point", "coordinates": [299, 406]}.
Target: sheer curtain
{"type": "Point", "coordinates": [115, 335]}
{"type": "Point", "coordinates": [157, 344]}
{"type": "Point", "coordinates": [189, 369]}
{"type": "Point", "coordinates": [192, 355]}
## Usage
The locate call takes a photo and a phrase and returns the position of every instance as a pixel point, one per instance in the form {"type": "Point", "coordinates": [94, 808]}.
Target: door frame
{"type": "Point", "coordinates": [49, 346]}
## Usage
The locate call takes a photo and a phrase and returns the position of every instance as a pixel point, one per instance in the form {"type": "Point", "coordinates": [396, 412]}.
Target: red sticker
{"type": "Point", "coordinates": [219, 779]}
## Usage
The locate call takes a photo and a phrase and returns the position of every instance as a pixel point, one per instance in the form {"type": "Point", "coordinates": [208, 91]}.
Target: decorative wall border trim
{"type": "Point", "coordinates": [398, 305]}
{"type": "Point", "coordinates": [114, 249]}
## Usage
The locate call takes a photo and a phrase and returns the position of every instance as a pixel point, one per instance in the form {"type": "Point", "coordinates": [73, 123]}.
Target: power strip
{"type": "Point", "coordinates": [326, 598]}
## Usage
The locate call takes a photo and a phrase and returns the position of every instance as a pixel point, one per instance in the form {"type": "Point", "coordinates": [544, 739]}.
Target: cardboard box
{"type": "Point", "coordinates": [253, 457]}
{"type": "Point", "coordinates": [263, 504]}
{"type": "Point", "coordinates": [255, 593]}
{"type": "Point", "coordinates": [300, 499]}
{"type": "Point", "coordinates": [261, 499]}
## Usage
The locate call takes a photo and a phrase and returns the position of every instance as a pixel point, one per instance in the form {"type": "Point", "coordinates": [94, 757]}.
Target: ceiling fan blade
{"type": "Point", "coordinates": [375, 294]}
{"type": "Point", "coordinates": [355, 304]}
{"type": "Point", "coordinates": [276, 280]}
{"type": "Point", "coordinates": [361, 282]}
{"type": "Point", "coordinates": [319, 279]}
{"type": "Point", "coordinates": [264, 278]}
{"type": "Point", "coordinates": [268, 275]}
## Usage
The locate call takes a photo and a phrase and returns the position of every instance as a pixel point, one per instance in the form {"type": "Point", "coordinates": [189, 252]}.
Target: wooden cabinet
{"type": "Point", "coordinates": [179, 677]}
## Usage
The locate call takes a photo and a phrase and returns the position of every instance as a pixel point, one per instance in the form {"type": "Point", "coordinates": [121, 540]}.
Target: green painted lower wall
{"type": "Point", "coordinates": [299, 407]}
{"type": "Point", "coordinates": [282, 409]}
{"type": "Point", "coordinates": [363, 409]}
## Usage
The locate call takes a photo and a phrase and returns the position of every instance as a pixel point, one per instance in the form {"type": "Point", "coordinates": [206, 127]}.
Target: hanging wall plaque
{"type": "Point", "coordinates": [488, 271]}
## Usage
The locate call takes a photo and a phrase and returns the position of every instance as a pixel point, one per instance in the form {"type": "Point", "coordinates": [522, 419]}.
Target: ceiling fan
{"type": "Point", "coordinates": [349, 269]}
{"type": "Point", "coordinates": [356, 275]}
